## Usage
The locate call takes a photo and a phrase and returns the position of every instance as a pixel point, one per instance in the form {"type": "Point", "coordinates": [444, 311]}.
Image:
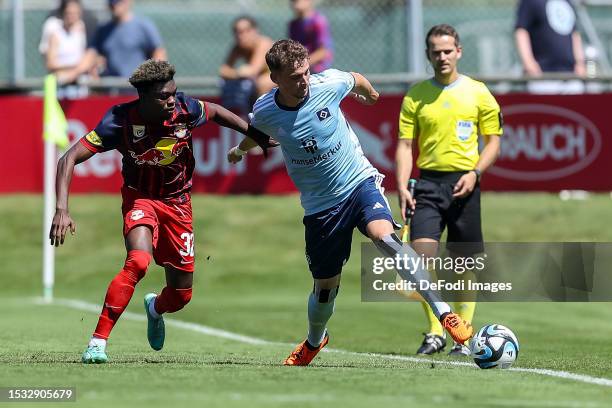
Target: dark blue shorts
{"type": "Point", "coordinates": [329, 233]}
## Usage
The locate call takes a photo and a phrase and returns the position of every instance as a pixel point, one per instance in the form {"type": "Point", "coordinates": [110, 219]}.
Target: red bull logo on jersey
{"type": "Point", "coordinates": [163, 154]}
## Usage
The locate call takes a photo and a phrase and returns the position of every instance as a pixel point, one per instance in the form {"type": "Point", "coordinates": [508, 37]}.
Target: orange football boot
{"type": "Point", "coordinates": [459, 329]}
{"type": "Point", "coordinates": [302, 355]}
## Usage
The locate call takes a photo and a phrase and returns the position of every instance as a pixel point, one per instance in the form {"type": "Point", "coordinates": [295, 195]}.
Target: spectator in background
{"type": "Point", "coordinates": [311, 29]}
{"type": "Point", "coordinates": [54, 19]}
{"type": "Point", "coordinates": [547, 41]}
{"type": "Point", "coordinates": [242, 84]}
{"type": "Point", "coordinates": [64, 43]}
{"type": "Point", "coordinates": [123, 43]}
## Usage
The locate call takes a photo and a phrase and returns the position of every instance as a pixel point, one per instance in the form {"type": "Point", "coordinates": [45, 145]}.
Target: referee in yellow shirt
{"type": "Point", "coordinates": [446, 114]}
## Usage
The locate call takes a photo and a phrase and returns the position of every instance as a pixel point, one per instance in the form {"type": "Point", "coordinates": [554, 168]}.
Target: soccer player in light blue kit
{"type": "Point", "coordinates": [340, 189]}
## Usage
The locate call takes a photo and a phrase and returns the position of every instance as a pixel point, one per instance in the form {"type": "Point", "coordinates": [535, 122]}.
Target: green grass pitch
{"type": "Point", "coordinates": [251, 280]}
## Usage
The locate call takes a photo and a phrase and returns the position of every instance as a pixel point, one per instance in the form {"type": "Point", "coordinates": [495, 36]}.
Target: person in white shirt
{"type": "Point", "coordinates": [64, 41]}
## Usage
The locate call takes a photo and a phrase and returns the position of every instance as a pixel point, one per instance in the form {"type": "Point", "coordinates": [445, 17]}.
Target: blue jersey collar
{"type": "Point", "coordinates": [290, 108]}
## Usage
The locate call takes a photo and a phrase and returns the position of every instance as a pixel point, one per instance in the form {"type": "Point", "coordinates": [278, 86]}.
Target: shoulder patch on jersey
{"type": "Point", "coordinates": [138, 131]}
{"type": "Point", "coordinates": [93, 138]}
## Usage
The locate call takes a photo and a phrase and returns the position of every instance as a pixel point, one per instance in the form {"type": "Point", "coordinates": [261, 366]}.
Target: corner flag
{"type": "Point", "coordinates": [55, 132]}
{"type": "Point", "coordinates": [55, 127]}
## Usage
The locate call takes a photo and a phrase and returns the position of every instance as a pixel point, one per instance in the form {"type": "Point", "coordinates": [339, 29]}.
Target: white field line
{"type": "Point", "coordinates": [210, 331]}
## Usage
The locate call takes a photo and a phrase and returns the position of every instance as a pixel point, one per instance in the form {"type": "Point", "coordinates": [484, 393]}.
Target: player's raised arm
{"type": "Point", "coordinates": [255, 137]}
{"type": "Point", "coordinates": [230, 120]}
{"type": "Point", "coordinates": [234, 155]}
{"type": "Point", "coordinates": [225, 118]}
{"type": "Point", "coordinates": [62, 221]}
{"type": "Point", "coordinates": [363, 91]}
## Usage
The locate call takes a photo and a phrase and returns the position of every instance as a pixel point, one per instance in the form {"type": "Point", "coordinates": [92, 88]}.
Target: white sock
{"type": "Point", "coordinates": [391, 245]}
{"type": "Point", "coordinates": [95, 341]}
{"type": "Point", "coordinates": [318, 316]}
{"type": "Point", "coordinates": [439, 308]}
{"type": "Point", "coordinates": [152, 310]}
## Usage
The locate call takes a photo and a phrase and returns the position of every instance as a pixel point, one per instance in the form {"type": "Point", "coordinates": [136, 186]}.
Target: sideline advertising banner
{"type": "Point", "coordinates": [551, 143]}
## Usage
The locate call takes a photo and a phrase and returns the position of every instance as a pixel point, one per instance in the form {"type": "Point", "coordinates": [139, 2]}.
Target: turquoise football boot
{"type": "Point", "coordinates": [156, 330]}
{"type": "Point", "coordinates": [94, 355]}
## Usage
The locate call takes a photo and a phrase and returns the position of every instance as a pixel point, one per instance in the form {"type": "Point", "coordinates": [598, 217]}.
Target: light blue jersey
{"type": "Point", "coordinates": [322, 153]}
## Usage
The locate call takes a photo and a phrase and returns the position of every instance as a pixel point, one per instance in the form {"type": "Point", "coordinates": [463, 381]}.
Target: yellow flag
{"type": "Point", "coordinates": [55, 127]}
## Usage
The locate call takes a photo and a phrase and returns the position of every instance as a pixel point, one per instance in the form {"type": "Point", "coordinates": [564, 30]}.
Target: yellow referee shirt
{"type": "Point", "coordinates": [447, 121]}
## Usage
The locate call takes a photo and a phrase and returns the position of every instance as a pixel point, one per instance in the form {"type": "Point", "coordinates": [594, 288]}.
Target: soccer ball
{"type": "Point", "coordinates": [494, 346]}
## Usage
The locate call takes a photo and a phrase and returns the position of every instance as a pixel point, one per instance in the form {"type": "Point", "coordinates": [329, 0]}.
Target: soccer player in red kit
{"type": "Point", "coordinates": [153, 133]}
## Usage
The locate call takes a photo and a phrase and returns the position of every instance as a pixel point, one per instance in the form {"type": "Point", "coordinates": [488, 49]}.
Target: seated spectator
{"type": "Point", "coordinates": [67, 39]}
{"type": "Point", "coordinates": [244, 71]}
{"type": "Point", "coordinates": [64, 42]}
{"type": "Point", "coordinates": [123, 43]}
{"type": "Point", "coordinates": [310, 28]}
{"type": "Point", "coordinates": [54, 20]}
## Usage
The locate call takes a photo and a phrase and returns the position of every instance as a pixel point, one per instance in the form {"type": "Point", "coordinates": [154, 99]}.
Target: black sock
{"type": "Point", "coordinates": [442, 316]}
{"type": "Point", "coordinates": [310, 346]}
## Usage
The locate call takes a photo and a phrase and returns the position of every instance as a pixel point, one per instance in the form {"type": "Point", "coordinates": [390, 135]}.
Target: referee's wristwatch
{"type": "Point", "coordinates": [478, 174]}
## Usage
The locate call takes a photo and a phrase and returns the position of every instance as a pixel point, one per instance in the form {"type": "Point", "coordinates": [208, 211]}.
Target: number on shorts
{"type": "Point", "coordinates": [188, 244]}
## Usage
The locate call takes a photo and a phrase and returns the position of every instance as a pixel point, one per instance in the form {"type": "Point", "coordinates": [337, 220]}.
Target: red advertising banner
{"type": "Point", "coordinates": [550, 143]}
{"type": "Point", "coordinates": [553, 143]}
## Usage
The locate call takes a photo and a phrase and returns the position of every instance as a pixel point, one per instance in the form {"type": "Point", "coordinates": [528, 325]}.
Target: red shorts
{"type": "Point", "coordinates": [171, 223]}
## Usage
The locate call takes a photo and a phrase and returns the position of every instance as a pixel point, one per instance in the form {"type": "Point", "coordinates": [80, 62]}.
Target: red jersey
{"type": "Point", "coordinates": [157, 160]}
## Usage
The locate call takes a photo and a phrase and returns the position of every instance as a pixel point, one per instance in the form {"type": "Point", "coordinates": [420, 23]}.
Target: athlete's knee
{"type": "Point", "coordinates": [377, 229]}
{"type": "Point", "coordinates": [136, 264]}
{"type": "Point", "coordinates": [175, 299]}
{"type": "Point", "coordinates": [325, 295]}
{"type": "Point", "coordinates": [388, 244]}
{"type": "Point", "coordinates": [426, 247]}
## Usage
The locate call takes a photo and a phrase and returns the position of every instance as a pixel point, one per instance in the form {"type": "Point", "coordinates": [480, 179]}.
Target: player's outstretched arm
{"type": "Point", "coordinates": [255, 137]}
{"type": "Point", "coordinates": [65, 166]}
{"type": "Point", "coordinates": [230, 120]}
{"type": "Point", "coordinates": [363, 91]}
{"type": "Point", "coordinates": [226, 118]}
{"type": "Point", "coordinates": [234, 155]}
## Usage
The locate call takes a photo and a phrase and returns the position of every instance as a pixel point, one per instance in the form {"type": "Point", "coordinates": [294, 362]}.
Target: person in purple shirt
{"type": "Point", "coordinates": [311, 29]}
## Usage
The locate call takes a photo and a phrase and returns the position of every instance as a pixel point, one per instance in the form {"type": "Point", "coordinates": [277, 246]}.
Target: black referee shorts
{"type": "Point", "coordinates": [436, 209]}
